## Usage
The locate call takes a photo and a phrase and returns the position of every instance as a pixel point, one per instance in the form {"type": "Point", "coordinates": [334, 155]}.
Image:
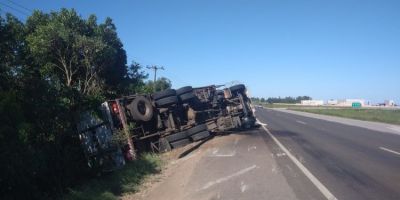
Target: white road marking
{"type": "Point", "coordinates": [306, 172]}
{"type": "Point", "coordinates": [215, 151]}
{"type": "Point", "coordinates": [262, 124]}
{"type": "Point", "coordinates": [243, 187]}
{"type": "Point", "coordinates": [391, 151]}
{"type": "Point", "coordinates": [280, 154]}
{"type": "Point", "coordinates": [233, 153]}
{"type": "Point", "coordinates": [250, 148]}
{"type": "Point", "coordinates": [227, 178]}
{"type": "Point", "coordinates": [301, 122]}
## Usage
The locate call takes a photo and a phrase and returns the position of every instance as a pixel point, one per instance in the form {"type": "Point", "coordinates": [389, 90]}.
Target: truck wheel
{"type": "Point", "coordinates": [176, 136]}
{"type": "Point", "coordinates": [196, 129]}
{"type": "Point", "coordinates": [164, 93]}
{"type": "Point", "coordinates": [167, 101]}
{"type": "Point", "coordinates": [187, 97]}
{"type": "Point", "coordinates": [184, 90]}
{"type": "Point", "coordinates": [239, 87]}
{"type": "Point", "coordinates": [200, 136]}
{"type": "Point", "coordinates": [180, 143]}
{"type": "Point", "coordinates": [141, 109]}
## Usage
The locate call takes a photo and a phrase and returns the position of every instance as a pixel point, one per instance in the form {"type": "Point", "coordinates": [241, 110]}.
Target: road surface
{"type": "Point", "coordinates": [291, 157]}
{"type": "Point", "coordinates": [352, 162]}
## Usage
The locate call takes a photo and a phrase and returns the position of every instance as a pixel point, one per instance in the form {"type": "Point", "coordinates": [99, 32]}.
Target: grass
{"type": "Point", "coordinates": [279, 105]}
{"type": "Point", "coordinates": [113, 185]}
{"type": "Point", "coordinates": [376, 115]}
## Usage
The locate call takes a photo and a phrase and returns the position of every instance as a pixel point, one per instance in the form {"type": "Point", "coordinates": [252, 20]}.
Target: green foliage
{"type": "Point", "coordinates": [290, 100]}
{"type": "Point", "coordinates": [160, 84]}
{"type": "Point", "coordinates": [78, 53]}
{"type": "Point", "coordinates": [51, 68]}
{"type": "Point", "coordinates": [113, 185]}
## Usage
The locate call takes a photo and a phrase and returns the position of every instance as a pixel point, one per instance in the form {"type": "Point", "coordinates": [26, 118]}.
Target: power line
{"type": "Point", "coordinates": [15, 9]}
{"type": "Point", "coordinates": [21, 6]}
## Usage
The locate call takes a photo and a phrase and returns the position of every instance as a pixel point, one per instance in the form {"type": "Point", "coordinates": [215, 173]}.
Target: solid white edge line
{"type": "Point", "coordinates": [391, 151]}
{"type": "Point", "coordinates": [306, 172]}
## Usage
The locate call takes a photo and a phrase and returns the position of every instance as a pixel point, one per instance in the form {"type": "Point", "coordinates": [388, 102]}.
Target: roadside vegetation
{"type": "Point", "coordinates": [52, 67]}
{"type": "Point", "coordinates": [376, 115]}
{"type": "Point", "coordinates": [114, 185]}
{"type": "Point", "coordinates": [285, 100]}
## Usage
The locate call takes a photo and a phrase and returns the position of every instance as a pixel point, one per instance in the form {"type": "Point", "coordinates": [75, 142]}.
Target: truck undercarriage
{"type": "Point", "coordinates": [162, 121]}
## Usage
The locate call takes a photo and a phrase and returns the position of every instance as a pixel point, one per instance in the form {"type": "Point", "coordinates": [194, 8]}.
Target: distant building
{"type": "Point", "coordinates": [332, 102]}
{"type": "Point", "coordinates": [350, 102]}
{"type": "Point", "coordinates": [389, 103]}
{"type": "Point", "coordinates": [312, 102]}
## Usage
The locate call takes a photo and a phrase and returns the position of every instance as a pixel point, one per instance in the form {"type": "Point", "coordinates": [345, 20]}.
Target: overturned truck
{"type": "Point", "coordinates": [162, 121]}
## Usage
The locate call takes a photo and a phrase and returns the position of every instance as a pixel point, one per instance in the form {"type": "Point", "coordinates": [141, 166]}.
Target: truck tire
{"type": "Point", "coordinates": [200, 136]}
{"type": "Point", "coordinates": [164, 94]}
{"type": "Point", "coordinates": [197, 129]}
{"type": "Point", "coordinates": [187, 97]}
{"type": "Point", "coordinates": [236, 88]}
{"type": "Point", "coordinates": [184, 90]}
{"type": "Point", "coordinates": [180, 143]}
{"type": "Point", "coordinates": [167, 101]}
{"type": "Point", "coordinates": [176, 136]}
{"type": "Point", "coordinates": [141, 109]}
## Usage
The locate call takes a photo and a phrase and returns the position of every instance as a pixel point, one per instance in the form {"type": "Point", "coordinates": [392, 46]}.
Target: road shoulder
{"type": "Point", "coordinates": [234, 166]}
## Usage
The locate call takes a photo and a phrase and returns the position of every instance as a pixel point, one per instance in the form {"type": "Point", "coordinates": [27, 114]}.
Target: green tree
{"type": "Point", "coordinates": [160, 84]}
{"type": "Point", "coordinates": [52, 67]}
{"type": "Point", "coordinates": [78, 54]}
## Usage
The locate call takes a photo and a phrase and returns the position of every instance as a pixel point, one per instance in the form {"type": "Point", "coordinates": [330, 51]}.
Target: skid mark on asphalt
{"type": "Point", "coordinates": [388, 150]}
{"type": "Point", "coordinates": [227, 178]}
{"type": "Point", "coordinates": [186, 157]}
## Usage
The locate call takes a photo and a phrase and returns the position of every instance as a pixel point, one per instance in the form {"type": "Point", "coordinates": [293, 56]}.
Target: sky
{"type": "Point", "coordinates": [324, 49]}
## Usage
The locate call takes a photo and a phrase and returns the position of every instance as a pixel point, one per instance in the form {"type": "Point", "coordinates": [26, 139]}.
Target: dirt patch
{"type": "Point", "coordinates": [174, 175]}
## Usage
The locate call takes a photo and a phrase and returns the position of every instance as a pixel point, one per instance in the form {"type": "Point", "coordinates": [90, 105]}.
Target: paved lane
{"type": "Point", "coordinates": [352, 162]}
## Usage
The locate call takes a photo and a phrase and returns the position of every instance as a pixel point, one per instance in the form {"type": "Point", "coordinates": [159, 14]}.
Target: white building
{"type": "Point", "coordinates": [389, 103]}
{"type": "Point", "coordinates": [349, 102]}
{"type": "Point", "coordinates": [312, 102]}
{"type": "Point", "coordinates": [332, 102]}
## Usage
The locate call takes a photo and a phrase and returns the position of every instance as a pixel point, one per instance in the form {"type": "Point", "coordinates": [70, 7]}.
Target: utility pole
{"type": "Point", "coordinates": [155, 68]}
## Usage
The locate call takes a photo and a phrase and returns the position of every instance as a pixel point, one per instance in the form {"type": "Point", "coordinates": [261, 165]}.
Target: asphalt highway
{"type": "Point", "coordinates": [351, 162]}
{"type": "Point", "coordinates": [289, 157]}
